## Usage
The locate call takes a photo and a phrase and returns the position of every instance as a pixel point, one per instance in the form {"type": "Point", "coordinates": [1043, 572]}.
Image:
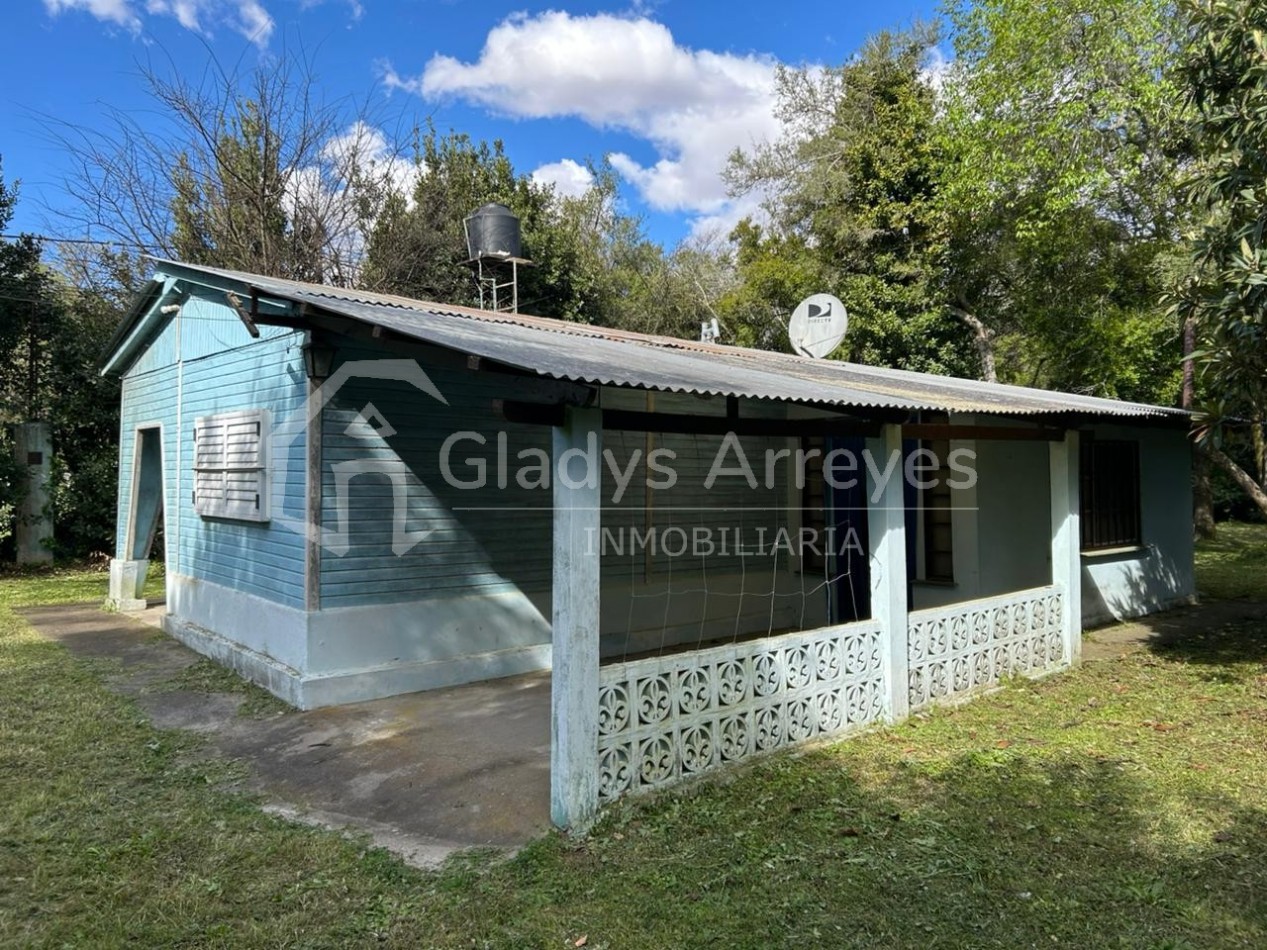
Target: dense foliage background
{"type": "Point", "coordinates": [1062, 194]}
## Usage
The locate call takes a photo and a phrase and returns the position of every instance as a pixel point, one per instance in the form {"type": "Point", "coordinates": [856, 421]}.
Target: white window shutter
{"type": "Point", "coordinates": [231, 465]}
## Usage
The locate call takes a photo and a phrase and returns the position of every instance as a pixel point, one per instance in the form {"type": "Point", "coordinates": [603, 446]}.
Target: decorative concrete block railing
{"type": "Point", "coordinates": [957, 650]}
{"type": "Point", "coordinates": [667, 718]}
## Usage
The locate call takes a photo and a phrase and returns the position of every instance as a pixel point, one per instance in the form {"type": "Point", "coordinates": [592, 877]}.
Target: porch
{"type": "Point", "coordinates": [621, 726]}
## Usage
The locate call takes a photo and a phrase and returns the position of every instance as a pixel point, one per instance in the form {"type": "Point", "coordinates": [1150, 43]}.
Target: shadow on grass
{"type": "Point", "coordinates": [1233, 644]}
{"type": "Point", "coordinates": [990, 848]}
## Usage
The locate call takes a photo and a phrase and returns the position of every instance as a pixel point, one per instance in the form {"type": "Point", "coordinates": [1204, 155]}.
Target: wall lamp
{"type": "Point", "coordinates": [318, 360]}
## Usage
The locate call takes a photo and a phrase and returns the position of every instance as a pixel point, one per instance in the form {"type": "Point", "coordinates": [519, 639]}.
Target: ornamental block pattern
{"type": "Point", "coordinates": [956, 650]}
{"type": "Point", "coordinates": [667, 718]}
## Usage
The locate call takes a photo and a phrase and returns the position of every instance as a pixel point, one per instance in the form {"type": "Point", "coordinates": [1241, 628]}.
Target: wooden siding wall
{"type": "Point", "coordinates": [205, 361]}
{"type": "Point", "coordinates": [503, 546]}
{"type": "Point", "coordinates": [498, 539]}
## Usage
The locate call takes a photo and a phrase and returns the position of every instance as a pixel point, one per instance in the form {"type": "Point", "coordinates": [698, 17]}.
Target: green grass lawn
{"type": "Point", "coordinates": [1124, 805]}
{"type": "Point", "coordinates": [1234, 565]}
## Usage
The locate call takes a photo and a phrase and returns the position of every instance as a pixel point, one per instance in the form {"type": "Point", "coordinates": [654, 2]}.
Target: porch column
{"type": "Point", "coordinates": [577, 475]}
{"type": "Point", "coordinates": [886, 525]}
{"type": "Point", "coordinates": [1066, 539]}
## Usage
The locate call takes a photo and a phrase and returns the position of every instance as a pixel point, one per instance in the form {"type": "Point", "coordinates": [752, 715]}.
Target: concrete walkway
{"type": "Point", "coordinates": [1169, 627]}
{"type": "Point", "coordinates": [424, 774]}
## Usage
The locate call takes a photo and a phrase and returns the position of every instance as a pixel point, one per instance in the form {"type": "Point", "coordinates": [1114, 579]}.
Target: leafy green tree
{"type": "Point", "coordinates": [1225, 293]}
{"type": "Point", "coordinates": [51, 337]}
{"type": "Point", "coordinates": [851, 189]}
{"type": "Point", "coordinates": [23, 311]}
{"type": "Point", "coordinates": [590, 262]}
{"type": "Point", "coordinates": [1064, 143]}
{"type": "Point", "coordinates": [27, 311]}
{"type": "Point", "coordinates": [417, 245]}
{"type": "Point", "coordinates": [1067, 104]}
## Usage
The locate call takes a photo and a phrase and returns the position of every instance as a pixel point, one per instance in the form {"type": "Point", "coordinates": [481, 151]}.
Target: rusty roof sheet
{"type": "Point", "coordinates": [588, 354]}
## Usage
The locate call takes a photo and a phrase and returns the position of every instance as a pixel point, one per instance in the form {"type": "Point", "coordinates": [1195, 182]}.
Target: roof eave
{"type": "Point", "coordinates": [146, 307]}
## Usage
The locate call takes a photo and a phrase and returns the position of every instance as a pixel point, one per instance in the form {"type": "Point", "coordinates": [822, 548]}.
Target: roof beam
{"type": "Point", "coordinates": [625, 420]}
{"type": "Point", "coordinates": [932, 430]}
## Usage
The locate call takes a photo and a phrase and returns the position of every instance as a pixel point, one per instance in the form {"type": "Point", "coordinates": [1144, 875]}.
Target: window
{"type": "Point", "coordinates": [1110, 494]}
{"type": "Point", "coordinates": [936, 509]}
{"type": "Point", "coordinates": [814, 505]}
{"type": "Point", "coordinates": [231, 465]}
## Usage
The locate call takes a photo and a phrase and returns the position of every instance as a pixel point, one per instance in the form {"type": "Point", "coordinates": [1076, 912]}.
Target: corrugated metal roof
{"type": "Point", "coordinates": [583, 353]}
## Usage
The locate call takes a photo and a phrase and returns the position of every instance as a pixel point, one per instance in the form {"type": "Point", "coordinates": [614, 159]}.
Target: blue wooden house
{"type": "Point", "coordinates": [361, 495]}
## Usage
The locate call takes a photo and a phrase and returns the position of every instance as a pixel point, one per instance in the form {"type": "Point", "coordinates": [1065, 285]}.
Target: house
{"type": "Point", "coordinates": [717, 551]}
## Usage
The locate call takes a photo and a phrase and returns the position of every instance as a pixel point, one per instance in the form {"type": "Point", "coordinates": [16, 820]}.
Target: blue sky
{"type": "Point", "coordinates": [665, 88]}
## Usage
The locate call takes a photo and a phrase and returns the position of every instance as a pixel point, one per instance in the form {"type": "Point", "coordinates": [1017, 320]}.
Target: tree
{"type": "Point", "coordinates": [417, 245]}
{"type": "Point", "coordinates": [23, 313]}
{"type": "Point", "coordinates": [590, 262]}
{"type": "Point", "coordinates": [26, 313]}
{"type": "Point", "coordinates": [51, 337]}
{"type": "Point", "coordinates": [1225, 292]}
{"type": "Point", "coordinates": [418, 248]}
{"type": "Point", "coordinates": [851, 190]}
{"type": "Point", "coordinates": [250, 171]}
{"type": "Point", "coordinates": [1067, 104]}
{"type": "Point", "coordinates": [1064, 145]}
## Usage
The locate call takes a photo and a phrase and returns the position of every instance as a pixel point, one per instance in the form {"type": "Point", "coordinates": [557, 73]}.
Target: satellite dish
{"type": "Point", "coordinates": [817, 326]}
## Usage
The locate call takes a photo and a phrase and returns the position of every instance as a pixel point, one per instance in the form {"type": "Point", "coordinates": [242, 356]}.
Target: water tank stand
{"type": "Point", "coordinates": [497, 278]}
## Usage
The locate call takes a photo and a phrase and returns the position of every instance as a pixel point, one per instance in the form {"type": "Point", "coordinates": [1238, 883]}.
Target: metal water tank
{"type": "Point", "coordinates": [492, 231]}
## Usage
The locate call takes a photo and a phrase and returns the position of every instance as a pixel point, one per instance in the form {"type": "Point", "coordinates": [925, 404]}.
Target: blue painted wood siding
{"type": "Point", "coordinates": [503, 546]}
{"type": "Point", "coordinates": [496, 538]}
{"type": "Point", "coordinates": [208, 363]}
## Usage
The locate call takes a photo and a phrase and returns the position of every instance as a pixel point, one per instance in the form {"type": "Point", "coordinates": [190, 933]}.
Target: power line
{"type": "Point", "coordinates": [65, 240]}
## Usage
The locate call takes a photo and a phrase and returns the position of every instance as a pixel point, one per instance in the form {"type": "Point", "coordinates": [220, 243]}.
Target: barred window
{"type": "Point", "coordinates": [814, 504]}
{"type": "Point", "coordinates": [936, 506]}
{"type": "Point", "coordinates": [231, 465]}
{"type": "Point", "coordinates": [1110, 494]}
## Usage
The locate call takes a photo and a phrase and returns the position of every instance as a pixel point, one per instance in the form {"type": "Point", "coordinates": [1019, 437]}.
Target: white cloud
{"type": "Point", "coordinates": [111, 11]}
{"type": "Point", "coordinates": [693, 106]}
{"type": "Point", "coordinates": [355, 8]}
{"type": "Point", "coordinates": [718, 225]}
{"type": "Point", "coordinates": [936, 69]}
{"type": "Point", "coordinates": [247, 17]}
{"type": "Point", "coordinates": [569, 179]}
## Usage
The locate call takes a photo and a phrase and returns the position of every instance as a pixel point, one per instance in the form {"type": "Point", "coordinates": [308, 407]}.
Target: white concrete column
{"type": "Point", "coordinates": [33, 522]}
{"type": "Point", "coordinates": [1066, 538]}
{"type": "Point", "coordinates": [886, 525]}
{"type": "Point", "coordinates": [127, 584]}
{"type": "Point", "coordinates": [574, 680]}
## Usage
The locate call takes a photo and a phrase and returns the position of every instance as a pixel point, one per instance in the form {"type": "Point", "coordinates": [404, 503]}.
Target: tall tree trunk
{"type": "Point", "coordinates": [1189, 369]}
{"type": "Point", "coordinates": [1202, 492]}
{"type": "Point", "coordinates": [982, 339]}
{"type": "Point", "coordinates": [1260, 449]}
{"type": "Point", "coordinates": [1202, 498]}
{"type": "Point", "coordinates": [1242, 478]}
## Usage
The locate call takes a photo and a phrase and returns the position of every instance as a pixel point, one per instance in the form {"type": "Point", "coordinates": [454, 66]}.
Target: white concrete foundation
{"type": "Point", "coordinates": [127, 583]}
